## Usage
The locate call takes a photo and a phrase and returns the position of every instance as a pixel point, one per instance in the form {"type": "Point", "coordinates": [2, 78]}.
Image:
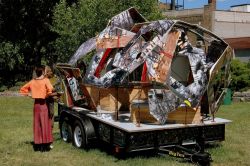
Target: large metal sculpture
{"type": "Point", "coordinates": [184, 64]}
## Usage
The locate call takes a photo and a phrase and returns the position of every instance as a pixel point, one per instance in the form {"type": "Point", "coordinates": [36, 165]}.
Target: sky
{"type": "Point", "coordinates": [221, 4]}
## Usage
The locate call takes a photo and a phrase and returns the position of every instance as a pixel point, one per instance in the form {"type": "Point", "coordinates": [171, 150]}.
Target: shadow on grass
{"type": "Point", "coordinates": [144, 154]}
{"type": "Point", "coordinates": [38, 147]}
{"type": "Point", "coordinates": [57, 136]}
{"type": "Point", "coordinates": [213, 145]}
{"type": "Point", "coordinates": [147, 154]}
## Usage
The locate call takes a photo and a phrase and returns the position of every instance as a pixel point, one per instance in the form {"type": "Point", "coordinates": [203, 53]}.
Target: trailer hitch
{"type": "Point", "coordinates": [198, 157]}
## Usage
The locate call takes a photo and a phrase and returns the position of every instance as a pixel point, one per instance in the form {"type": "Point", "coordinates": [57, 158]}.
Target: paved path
{"type": "Point", "coordinates": [9, 93]}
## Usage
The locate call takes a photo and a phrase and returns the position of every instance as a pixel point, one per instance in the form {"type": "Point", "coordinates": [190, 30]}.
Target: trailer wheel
{"type": "Point", "coordinates": [65, 131]}
{"type": "Point", "coordinates": [79, 136]}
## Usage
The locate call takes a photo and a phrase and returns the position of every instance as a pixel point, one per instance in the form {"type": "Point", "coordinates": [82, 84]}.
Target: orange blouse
{"type": "Point", "coordinates": [39, 88]}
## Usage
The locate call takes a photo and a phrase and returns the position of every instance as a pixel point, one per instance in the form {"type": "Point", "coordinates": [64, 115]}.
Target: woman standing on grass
{"type": "Point", "coordinates": [40, 88]}
{"type": "Point", "coordinates": [50, 99]}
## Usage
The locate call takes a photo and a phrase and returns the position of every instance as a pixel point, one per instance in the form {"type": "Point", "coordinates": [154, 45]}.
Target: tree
{"type": "Point", "coordinates": [77, 22]}
{"type": "Point", "coordinates": [24, 36]}
{"type": "Point", "coordinates": [28, 37]}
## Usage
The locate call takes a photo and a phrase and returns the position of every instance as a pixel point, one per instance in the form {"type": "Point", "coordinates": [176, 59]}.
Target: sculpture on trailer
{"type": "Point", "coordinates": [182, 64]}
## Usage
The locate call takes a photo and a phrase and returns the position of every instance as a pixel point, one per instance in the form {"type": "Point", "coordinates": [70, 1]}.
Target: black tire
{"type": "Point", "coordinates": [65, 130]}
{"type": "Point", "coordinates": [79, 136]}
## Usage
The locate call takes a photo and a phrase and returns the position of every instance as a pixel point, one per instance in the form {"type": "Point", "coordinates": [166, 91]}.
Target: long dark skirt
{"type": "Point", "coordinates": [41, 123]}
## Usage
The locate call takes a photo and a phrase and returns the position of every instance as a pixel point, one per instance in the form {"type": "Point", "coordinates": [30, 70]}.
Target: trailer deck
{"type": "Point", "coordinates": [125, 124]}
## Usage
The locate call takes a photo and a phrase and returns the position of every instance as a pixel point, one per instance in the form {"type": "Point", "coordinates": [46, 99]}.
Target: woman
{"type": "Point", "coordinates": [50, 99]}
{"type": "Point", "coordinates": [40, 88]}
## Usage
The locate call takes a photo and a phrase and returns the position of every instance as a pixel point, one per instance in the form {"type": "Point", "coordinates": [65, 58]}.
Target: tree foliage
{"type": "Point", "coordinates": [240, 75]}
{"type": "Point", "coordinates": [24, 36]}
{"type": "Point", "coordinates": [10, 57]}
{"type": "Point", "coordinates": [75, 23]}
{"type": "Point", "coordinates": [28, 37]}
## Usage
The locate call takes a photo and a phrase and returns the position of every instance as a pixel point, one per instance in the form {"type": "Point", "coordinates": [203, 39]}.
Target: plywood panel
{"type": "Point", "coordinates": [116, 98]}
{"type": "Point", "coordinates": [140, 113]}
{"type": "Point", "coordinates": [114, 42]}
{"type": "Point", "coordinates": [163, 66]}
{"type": "Point", "coordinates": [185, 115]}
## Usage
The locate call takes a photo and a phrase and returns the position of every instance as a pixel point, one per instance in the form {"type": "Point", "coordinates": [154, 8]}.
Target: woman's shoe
{"type": "Point", "coordinates": [37, 147]}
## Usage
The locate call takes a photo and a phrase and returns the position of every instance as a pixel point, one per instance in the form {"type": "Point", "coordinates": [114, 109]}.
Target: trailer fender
{"type": "Point", "coordinates": [88, 127]}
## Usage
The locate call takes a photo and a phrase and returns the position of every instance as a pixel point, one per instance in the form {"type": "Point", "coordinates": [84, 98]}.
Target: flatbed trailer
{"type": "Point", "coordinates": [149, 86]}
{"type": "Point", "coordinates": [85, 127]}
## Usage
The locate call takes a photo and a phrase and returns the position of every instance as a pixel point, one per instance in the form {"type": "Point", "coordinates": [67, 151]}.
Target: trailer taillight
{"type": "Point", "coordinates": [117, 149]}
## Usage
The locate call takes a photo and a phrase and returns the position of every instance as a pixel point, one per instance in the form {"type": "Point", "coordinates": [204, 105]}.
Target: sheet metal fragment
{"type": "Point", "coordinates": [85, 48]}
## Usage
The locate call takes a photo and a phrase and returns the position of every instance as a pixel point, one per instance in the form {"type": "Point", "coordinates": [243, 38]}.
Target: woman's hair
{"type": "Point", "coordinates": [48, 72]}
{"type": "Point", "coordinates": [39, 71]}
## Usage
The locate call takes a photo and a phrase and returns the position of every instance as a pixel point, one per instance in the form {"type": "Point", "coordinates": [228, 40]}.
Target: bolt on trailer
{"type": "Point", "coordinates": [150, 85]}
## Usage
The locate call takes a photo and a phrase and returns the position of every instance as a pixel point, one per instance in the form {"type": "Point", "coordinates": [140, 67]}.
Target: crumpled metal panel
{"type": "Point", "coordinates": [216, 92]}
{"type": "Point", "coordinates": [110, 78]}
{"type": "Point", "coordinates": [137, 50]}
{"type": "Point", "coordinates": [161, 102]}
{"type": "Point", "coordinates": [194, 91]}
{"type": "Point", "coordinates": [83, 50]}
{"type": "Point", "coordinates": [121, 22]}
{"type": "Point", "coordinates": [127, 19]}
{"type": "Point", "coordinates": [131, 59]}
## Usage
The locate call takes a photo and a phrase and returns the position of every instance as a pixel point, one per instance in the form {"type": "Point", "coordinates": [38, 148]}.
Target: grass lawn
{"type": "Point", "coordinates": [16, 136]}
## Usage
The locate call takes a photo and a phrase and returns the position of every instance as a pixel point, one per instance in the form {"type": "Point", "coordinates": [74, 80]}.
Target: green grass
{"type": "Point", "coordinates": [16, 136]}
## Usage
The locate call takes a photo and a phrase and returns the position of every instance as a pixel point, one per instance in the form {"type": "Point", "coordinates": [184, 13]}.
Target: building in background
{"type": "Point", "coordinates": [233, 25]}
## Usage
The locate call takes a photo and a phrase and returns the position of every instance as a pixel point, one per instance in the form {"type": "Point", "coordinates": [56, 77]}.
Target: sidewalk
{"type": "Point", "coordinates": [9, 93]}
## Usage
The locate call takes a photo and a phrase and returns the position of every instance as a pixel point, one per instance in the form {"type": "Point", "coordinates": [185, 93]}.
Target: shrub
{"type": "Point", "coordinates": [3, 88]}
{"type": "Point", "coordinates": [19, 84]}
{"type": "Point", "coordinates": [240, 75]}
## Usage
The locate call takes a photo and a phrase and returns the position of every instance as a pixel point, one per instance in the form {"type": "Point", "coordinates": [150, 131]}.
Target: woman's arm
{"type": "Point", "coordinates": [24, 90]}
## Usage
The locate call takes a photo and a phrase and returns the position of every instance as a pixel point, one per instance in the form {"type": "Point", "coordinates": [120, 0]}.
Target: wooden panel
{"type": "Point", "coordinates": [106, 98]}
{"type": "Point", "coordinates": [163, 66]}
{"type": "Point", "coordinates": [185, 115]}
{"type": "Point", "coordinates": [114, 98]}
{"type": "Point", "coordinates": [138, 94]}
{"type": "Point", "coordinates": [75, 90]}
{"type": "Point", "coordinates": [140, 114]}
{"type": "Point", "coordinates": [114, 42]}
{"type": "Point", "coordinates": [93, 94]}
{"type": "Point", "coordinates": [123, 98]}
